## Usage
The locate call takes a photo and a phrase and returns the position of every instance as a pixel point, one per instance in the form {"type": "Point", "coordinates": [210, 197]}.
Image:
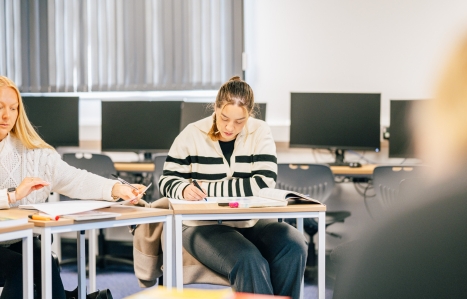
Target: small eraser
{"type": "Point", "coordinates": [233, 204]}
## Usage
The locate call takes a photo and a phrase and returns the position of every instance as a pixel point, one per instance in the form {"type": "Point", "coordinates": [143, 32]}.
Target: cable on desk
{"type": "Point", "coordinates": [362, 156]}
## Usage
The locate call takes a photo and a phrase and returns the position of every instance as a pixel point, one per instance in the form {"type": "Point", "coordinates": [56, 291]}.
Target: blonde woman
{"type": "Point", "coordinates": [420, 252]}
{"type": "Point", "coordinates": [233, 154]}
{"type": "Point", "coordinates": [29, 170]}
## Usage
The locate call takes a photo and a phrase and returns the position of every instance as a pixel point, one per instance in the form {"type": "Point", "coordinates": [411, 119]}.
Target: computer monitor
{"type": "Point", "coordinates": [401, 138]}
{"type": "Point", "coordinates": [56, 119]}
{"type": "Point", "coordinates": [139, 126]}
{"type": "Point", "coordinates": [194, 111]}
{"type": "Point", "coordinates": [336, 121]}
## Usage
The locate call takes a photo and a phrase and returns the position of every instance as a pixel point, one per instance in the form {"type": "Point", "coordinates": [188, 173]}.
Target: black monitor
{"type": "Point", "coordinates": [194, 111]}
{"type": "Point", "coordinates": [401, 138]}
{"type": "Point", "coordinates": [139, 126]}
{"type": "Point", "coordinates": [56, 119]}
{"type": "Point", "coordinates": [335, 121]}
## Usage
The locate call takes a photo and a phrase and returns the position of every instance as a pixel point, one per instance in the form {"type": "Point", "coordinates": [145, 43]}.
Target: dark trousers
{"type": "Point", "coordinates": [11, 272]}
{"type": "Point", "coordinates": [268, 258]}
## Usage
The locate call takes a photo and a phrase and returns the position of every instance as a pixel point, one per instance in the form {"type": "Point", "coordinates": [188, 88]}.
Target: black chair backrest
{"type": "Point", "coordinates": [99, 164]}
{"type": "Point", "coordinates": [387, 179]}
{"type": "Point", "coordinates": [315, 180]}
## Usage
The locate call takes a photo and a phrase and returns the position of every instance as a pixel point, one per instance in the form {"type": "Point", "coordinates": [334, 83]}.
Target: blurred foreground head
{"type": "Point", "coordinates": [441, 130]}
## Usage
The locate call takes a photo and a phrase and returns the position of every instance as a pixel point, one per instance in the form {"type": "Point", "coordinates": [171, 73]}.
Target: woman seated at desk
{"type": "Point", "coordinates": [233, 154]}
{"type": "Point", "coordinates": [29, 170]}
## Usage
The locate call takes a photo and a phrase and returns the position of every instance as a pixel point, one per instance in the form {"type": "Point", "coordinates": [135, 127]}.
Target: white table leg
{"type": "Point", "coordinates": [28, 290]}
{"type": "Point", "coordinates": [81, 255]}
{"type": "Point", "coordinates": [178, 252]}
{"type": "Point", "coordinates": [321, 254]}
{"type": "Point", "coordinates": [46, 262]}
{"type": "Point", "coordinates": [168, 260]}
{"type": "Point", "coordinates": [92, 259]}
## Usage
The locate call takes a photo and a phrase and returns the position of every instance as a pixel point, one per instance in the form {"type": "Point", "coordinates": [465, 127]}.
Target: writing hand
{"type": "Point", "coordinates": [125, 192]}
{"type": "Point", "coordinates": [191, 192]}
{"type": "Point", "coordinates": [28, 185]}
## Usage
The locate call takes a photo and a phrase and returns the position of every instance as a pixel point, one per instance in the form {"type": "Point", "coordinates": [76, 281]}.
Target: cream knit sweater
{"type": "Point", "coordinates": [17, 162]}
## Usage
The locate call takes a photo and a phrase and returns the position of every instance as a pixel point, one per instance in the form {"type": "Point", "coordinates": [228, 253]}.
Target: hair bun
{"type": "Point", "coordinates": [235, 78]}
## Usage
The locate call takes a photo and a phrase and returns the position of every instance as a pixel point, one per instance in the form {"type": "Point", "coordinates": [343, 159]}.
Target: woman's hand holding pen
{"type": "Point", "coordinates": [126, 192]}
{"type": "Point", "coordinates": [192, 192]}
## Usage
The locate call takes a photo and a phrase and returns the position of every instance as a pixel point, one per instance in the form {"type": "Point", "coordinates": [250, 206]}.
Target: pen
{"type": "Point", "coordinates": [199, 187]}
{"type": "Point", "coordinates": [124, 182]}
{"type": "Point", "coordinates": [41, 217]}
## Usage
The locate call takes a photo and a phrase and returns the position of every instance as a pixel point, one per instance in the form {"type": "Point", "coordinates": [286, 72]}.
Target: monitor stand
{"type": "Point", "coordinates": [339, 159]}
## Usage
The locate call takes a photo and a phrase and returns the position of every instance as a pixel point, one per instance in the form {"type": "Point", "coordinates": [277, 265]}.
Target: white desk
{"type": "Point", "coordinates": [129, 216]}
{"type": "Point", "coordinates": [23, 232]}
{"type": "Point", "coordinates": [211, 211]}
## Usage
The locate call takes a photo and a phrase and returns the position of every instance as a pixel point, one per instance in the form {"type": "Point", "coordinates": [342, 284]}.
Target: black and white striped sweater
{"type": "Point", "coordinates": [194, 155]}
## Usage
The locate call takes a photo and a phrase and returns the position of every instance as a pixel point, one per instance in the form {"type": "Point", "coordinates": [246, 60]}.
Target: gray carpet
{"type": "Point", "coordinates": [122, 282]}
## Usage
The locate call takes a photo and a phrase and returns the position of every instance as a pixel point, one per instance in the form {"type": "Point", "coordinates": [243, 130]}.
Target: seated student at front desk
{"type": "Point", "coordinates": [233, 154]}
{"type": "Point", "coordinates": [29, 170]}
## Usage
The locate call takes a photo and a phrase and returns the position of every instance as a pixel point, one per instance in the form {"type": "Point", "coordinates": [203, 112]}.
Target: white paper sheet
{"type": "Point", "coordinates": [194, 202]}
{"type": "Point", "coordinates": [69, 207]}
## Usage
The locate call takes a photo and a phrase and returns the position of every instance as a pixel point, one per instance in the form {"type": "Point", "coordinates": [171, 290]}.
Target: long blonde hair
{"type": "Point", "coordinates": [441, 133]}
{"type": "Point", "coordinates": [23, 130]}
{"type": "Point", "coordinates": [233, 92]}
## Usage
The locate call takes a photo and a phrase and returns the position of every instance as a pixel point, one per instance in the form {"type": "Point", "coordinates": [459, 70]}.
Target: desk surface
{"type": "Point", "coordinates": [366, 169]}
{"type": "Point", "coordinates": [127, 212]}
{"type": "Point", "coordinates": [212, 208]}
{"type": "Point", "coordinates": [134, 166]}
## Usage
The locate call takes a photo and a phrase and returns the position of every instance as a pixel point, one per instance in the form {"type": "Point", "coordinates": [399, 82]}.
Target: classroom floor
{"type": "Point", "coordinates": [121, 281]}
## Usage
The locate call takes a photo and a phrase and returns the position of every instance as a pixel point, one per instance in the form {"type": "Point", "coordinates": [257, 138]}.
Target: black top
{"type": "Point", "coordinates": [227, 149]}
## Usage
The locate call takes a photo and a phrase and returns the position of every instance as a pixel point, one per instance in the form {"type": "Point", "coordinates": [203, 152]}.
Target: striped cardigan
{"type": "Point", "coordinates": [194, 155]}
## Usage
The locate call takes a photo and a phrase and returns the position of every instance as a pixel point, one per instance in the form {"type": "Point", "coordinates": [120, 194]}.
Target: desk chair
{"type": "Point", "coordinates": [101, 165]}
{"type": "Point", "coordinates": [391, 184]}
{"type": "Point", "coordinates": [159, 161]}
{"type": "Point", "coordinates": [387, 183]}
{"type": "Point", "coordinates": [317, 181]}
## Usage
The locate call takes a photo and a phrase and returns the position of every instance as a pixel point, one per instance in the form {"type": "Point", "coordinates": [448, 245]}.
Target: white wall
{"type": "Point", "coordinates": [392, 47]}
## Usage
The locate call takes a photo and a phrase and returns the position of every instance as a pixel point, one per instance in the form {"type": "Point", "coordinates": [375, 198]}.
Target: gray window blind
{"type": "Point", "coordinates": [120, 45]}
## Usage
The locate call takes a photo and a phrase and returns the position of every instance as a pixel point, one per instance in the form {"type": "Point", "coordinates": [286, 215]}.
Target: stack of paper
{"type": "Point", "coordinates": [9, 221]}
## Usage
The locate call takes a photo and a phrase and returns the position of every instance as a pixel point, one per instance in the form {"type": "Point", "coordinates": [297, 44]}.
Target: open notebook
{"type": "Point", "coordinates": [267, 197]}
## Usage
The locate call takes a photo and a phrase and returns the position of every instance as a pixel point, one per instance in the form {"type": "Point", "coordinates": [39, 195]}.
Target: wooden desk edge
{"type": "Point", "coordinates": [212, 208]}
{"type": "Point", "coordinates": [15, 228]}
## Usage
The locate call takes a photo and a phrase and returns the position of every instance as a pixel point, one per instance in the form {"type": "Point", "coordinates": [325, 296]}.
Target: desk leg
{"type": "Point", "coordinates": [81, 264]}
{"type": "Point", "coordinates": [27, 267]}
{"type": "Point", "coordinates": [92, 260]}
{"type": "Point", "coordinates": [321, 254]}
{"type": "Point", "coordinates": [46, 261]}
{"type": "Point", "coordinates": [178, 252]}
{"type": "Point", "coordinates": [168, 262]}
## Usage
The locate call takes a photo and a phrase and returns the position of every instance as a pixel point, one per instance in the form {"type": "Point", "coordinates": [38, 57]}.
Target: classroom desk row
{"type": "Point", "coordinates": [172, 220]}
{"type": "Point", "coordinates": [364, 170]}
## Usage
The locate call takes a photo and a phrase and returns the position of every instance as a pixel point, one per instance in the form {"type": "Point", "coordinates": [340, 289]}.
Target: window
{"type": "Point", "coordinates": [117, 45]}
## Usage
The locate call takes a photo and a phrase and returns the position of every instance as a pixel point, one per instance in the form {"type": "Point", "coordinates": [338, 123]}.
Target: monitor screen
{"type": "Point", "coordinates": [139, 126]}
{"type": "Point", "coordinates": [194, 111]}
{"type": "Point", "coordinates": [400, 138]}
{"type": "Point", "coordinates": [56, 119]}
{"type": "Point", "coordinates": [337, 121]}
